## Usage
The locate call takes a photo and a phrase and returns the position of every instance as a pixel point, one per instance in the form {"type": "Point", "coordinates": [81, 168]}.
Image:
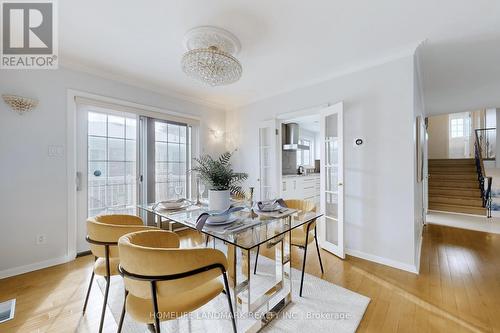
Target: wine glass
{"type": "Point", "coordinates": [201, 190]}
{"type": "Point", "coordinates": [178, 190]}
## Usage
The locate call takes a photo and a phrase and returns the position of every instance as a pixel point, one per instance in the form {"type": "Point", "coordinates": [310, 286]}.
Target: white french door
{"type": "Point", "coordinates": [332, 187]}
{"type": "Point", "coordinates": [268, 160]}
{"type": "Point", "coordinates": [106, 164]}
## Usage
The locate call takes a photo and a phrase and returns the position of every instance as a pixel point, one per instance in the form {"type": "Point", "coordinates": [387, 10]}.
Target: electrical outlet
{"type": "Point", "coordinates": [41, 239]}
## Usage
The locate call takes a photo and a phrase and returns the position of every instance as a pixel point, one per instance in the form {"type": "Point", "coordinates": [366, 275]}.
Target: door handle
{"type": "Point", "coordinates": [78, 181]}
{"type": "Point", "coordinates": [340, 184]}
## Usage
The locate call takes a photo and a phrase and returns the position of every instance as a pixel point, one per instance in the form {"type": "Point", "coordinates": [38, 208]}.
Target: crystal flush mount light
{"type": "Point", "coordinates": [210, 56]}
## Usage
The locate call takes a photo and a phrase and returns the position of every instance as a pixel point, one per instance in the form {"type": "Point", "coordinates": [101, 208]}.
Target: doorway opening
{"type": "Point", "coordinates": [463, 172]}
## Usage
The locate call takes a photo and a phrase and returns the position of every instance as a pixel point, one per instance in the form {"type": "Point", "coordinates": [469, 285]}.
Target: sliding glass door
{"type": "Point", "coordinates": [124, 159]}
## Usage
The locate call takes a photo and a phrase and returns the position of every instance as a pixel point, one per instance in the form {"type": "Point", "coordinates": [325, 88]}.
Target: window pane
{"type": "Point", "coordinates": [116, 173]}
{"type": "Point", "coordinates": [130, 150]}
{"type": "Point", "coordinates": [130, 130]}
{"type": "Point", "coordinates": [116, 149]}
{"type": "Point", "coordinates": [116, 195]}
{"type": "Point", "coordinates": [182, 134]}
{"type": "Point", "coordinates": [97, 148]}
{"type": "Point", "coordinates": [161, 131]}
{"type": "Point", "coordinates": [161, 152]}
{"type": "Point", "coordinates": [161, 172]}
{"type": "Point", "coordinates": [96, 124]}
{"type": "Point", "coordinates": [130, 173]}
{"type": "Point", "coordinates": [173, 152]}
{"type": "Point", "coordinates": [97, 173]}
{"type": "Point", "coordinates": [116, 126]}
{"type": "Point", "coordinates": [173, 133]}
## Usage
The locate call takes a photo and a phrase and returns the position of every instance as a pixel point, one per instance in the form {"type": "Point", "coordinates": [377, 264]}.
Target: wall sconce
{"type": "Point", "coordinates": [216, 134]}
{"type": "Point", "coordinates": [20, 104]}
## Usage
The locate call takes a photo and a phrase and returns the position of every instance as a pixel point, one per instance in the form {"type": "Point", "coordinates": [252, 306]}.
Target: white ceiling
{"type": "Point", "coordinates": [462, 75]}
{"type": "Point", "coordinates": [285, 44]}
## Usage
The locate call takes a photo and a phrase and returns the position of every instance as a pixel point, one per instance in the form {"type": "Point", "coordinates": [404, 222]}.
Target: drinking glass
{"type": "Point", "coordinates": [178, 190]}
{"type": "Point", "coordinates": [201, 190]}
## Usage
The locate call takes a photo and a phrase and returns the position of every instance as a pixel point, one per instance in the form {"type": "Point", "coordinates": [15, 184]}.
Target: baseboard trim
{"type": "Point", "coordinates": [35, 266]}
{"type": "Point", "coordinates": [383, 261]}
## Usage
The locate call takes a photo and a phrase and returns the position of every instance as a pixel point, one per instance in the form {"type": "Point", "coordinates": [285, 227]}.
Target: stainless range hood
{"type": "Point", "coordinates": [290, 137]}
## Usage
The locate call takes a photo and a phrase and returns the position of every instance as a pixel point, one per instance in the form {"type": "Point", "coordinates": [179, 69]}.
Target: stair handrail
{"type": "Point", "coordinates": [481, 175]}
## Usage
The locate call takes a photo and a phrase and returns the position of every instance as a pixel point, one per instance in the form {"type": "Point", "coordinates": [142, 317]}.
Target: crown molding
{"type": "Point", "coordinates": [139, 83]}
{"type": "Point", "coordinates": [403, 52]}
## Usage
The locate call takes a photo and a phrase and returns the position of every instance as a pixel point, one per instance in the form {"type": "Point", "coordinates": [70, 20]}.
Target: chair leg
{"type": "Point", "coordinates": [317, 249]}
{"type": "Point", "coordinates": [303, 265]}
{"type": "Point", "coordinates": [228, 294]}
{"type": "Point", "coordinates": [155, 306]}
{"type": "Point", "coordinates": [108, 281]}
{"type": "Point", "coordinates": [122, 317]}
{"type": "Point", "coordinates": [256, 259]}
{"type": "Point", "coordinates": [207, 239]}
{"type": "Point", "coordinates": [88, 292]}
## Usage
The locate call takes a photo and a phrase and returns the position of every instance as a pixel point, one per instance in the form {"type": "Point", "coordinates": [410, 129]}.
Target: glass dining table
{"type": "Point", "coordinates": [256, 302]}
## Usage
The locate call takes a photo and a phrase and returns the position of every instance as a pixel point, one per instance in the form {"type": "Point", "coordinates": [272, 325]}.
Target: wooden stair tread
{"type": "Point", "coordinates": [457, 208]}
{"type": "Point", "coordinates": [454, 187]}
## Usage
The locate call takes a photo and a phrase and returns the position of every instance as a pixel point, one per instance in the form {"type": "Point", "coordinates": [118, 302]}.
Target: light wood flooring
{"type": "Point", "coordinates": [457, 290]}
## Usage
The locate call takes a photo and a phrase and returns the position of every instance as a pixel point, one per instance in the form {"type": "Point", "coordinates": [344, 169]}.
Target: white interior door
{"type": "Point", "coordinates": [106, 165]}
{"type": "Point", "coordinates": [268, 160]}
{"type": "Point", "coordinates": [332, 187]}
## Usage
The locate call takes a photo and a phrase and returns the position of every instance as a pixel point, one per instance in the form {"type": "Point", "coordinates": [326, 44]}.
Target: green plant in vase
{"type": "Point", "coordinates": [221, 179]}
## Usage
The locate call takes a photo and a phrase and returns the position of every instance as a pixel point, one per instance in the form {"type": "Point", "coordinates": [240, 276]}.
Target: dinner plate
{"type": "Point", "coordinates": [173, 205]}
{"type": "Point", "coordinates": [229, 220]}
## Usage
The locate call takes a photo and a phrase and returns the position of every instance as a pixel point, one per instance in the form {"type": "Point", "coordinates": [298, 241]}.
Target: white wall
{"type": "Point", "coordinates": [438, 136]}
{"type": "Point", "coordinates": [379, 176]}
{"type": "Point", "coordinates": [33, 186]}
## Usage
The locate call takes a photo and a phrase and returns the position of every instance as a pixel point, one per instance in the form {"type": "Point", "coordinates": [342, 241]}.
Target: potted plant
{"type": "Point", "coordinates": [221, 179]}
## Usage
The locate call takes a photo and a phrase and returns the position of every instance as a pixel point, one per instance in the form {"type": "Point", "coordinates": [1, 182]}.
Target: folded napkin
{"type": "Point", "coordinates": [261, 204]}
{"type": "Point", "coordinates": [202, 219]}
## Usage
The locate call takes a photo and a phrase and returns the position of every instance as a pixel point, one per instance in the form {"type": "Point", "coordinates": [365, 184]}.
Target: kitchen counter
{"type": "Point", "coordinates": [316, 174]}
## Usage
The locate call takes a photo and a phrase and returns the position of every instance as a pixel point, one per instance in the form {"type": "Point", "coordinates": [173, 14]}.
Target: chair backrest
{"type": "Point", "coordinates": [305, 206]}
{"type": "Point", "coordinates": [157, 253]}
{"type": "Point", "coordinates": [109, 228]}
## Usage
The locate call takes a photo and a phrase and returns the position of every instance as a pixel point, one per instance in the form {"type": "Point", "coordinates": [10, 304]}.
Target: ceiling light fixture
{"type": "Point", "coordinates": [210, 56]}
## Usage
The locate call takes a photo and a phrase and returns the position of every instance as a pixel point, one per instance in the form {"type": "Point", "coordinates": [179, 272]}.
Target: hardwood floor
{"type": "Point", "coordinates": [458, 289]}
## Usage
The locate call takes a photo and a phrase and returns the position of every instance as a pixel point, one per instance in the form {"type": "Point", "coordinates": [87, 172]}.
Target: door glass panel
{"type": "Point", "coordinates": [171, 161]}
{"type": "Point", "coordinates": [331, 178]}
{"type": "Point", "coordinates": [265, 161]}
{"type": "Point", "coordinates": [111, 163]}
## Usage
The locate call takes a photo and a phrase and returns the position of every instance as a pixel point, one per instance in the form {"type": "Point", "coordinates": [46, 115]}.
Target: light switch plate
{"type": "Point", "coordinates": [55, 151]}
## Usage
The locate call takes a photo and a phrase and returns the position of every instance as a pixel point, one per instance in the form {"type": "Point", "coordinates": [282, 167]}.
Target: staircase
{"type": "Point", "coordinates": [454, 186]}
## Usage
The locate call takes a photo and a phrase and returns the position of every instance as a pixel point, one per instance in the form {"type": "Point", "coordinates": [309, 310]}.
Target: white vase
{"type": "Point", "coordinates": [218, 200]}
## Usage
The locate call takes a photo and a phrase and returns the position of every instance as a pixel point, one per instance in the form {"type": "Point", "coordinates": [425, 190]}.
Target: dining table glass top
{"type": "Point", "coordinates": [249, 229]}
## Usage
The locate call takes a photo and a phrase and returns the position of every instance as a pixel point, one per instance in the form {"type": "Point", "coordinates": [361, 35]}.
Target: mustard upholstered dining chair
{"type": "Point", "coordinates": [163, 281]}
{"type": "Point", "coordinates": [103, 232]}
{"type": "Point", "coordinates": [301, 236]}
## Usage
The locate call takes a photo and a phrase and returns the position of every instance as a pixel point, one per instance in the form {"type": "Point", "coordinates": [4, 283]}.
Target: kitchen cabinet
{"type": "Point", "coordinates": [301, 187]}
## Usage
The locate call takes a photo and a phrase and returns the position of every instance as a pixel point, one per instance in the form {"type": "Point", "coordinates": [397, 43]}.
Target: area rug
{"type": "Point", "coordinates": [324, 307]}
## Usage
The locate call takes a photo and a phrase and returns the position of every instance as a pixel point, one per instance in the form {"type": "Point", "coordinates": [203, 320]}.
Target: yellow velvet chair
{"type": "Point", "coordinates": [163, 281]}
{"type": "Point", "coordinates": [103, 232]}
{"type": "Point", "coordinates": [301, 236]}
